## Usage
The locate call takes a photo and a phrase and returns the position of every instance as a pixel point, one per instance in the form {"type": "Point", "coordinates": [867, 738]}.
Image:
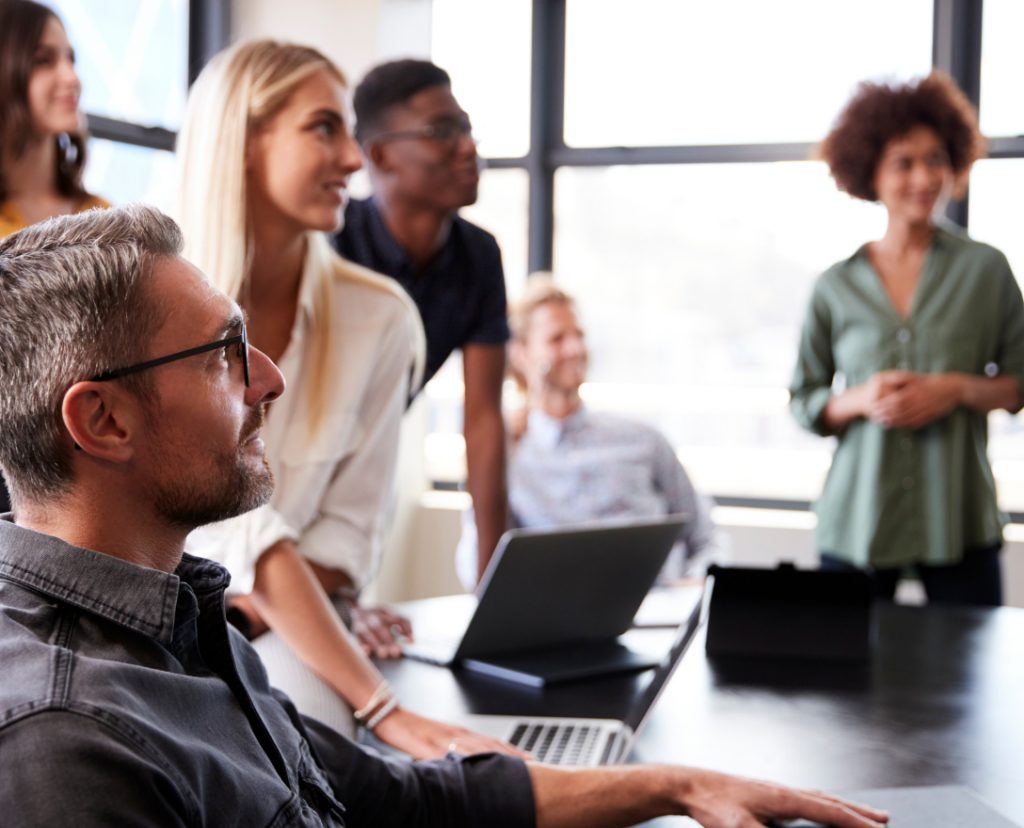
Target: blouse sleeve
{"type": "Point", "coordinates": [333, 499]}
{"type": "Point", "coordinates": [811, 385]}
{"type": "Point", "coordinates": [347, 532]}
{"type": "Point", "coordinates": [1010, 359]}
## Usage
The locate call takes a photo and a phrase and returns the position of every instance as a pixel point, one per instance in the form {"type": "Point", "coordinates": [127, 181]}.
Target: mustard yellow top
{"type": "Point", "coordinates": [11, 220]}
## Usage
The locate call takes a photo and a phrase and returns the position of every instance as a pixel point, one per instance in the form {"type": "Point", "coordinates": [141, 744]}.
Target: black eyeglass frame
{"type": "Point", "coordinates": [240, 339]}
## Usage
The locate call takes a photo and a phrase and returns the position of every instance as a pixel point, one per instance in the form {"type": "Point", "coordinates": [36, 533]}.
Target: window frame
{"type": "Point", "coordinates": [956, 49]}
{"type": "Point", "coordinates": [209, 31]}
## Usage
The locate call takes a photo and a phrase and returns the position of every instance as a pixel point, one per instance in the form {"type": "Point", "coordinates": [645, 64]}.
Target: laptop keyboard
{"type": "Point", "coordinates": [557, 743]}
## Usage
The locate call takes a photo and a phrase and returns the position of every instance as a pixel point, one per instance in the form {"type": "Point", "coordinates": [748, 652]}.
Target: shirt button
{"type": "Point", "coordinates": [903, 335]}
{"type": "Point", "coordinates": [908, 483]}
{"type": "Point", "coordinates": [991, 369]}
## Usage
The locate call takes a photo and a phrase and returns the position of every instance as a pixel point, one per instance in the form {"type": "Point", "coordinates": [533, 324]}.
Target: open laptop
{"type": "Point", "coordinates": [590, 742]}
{"type": "Point", "coordinates": [553, 602]}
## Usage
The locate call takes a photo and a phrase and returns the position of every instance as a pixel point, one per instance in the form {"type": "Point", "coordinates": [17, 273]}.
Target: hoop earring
{"type": "Point", "coordinates": [68, 151]}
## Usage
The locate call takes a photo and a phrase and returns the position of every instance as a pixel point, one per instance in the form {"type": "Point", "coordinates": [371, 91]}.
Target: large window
{"type": "Point", "coordinates": [728, 72]}
{"type": "Point", "coordinates": [671, 189]}
{"type": "Point", "coordinates": [1002, 67]}
{"type": "Point", "coordinates": [132, 57]}
{"type": "Point", "coordinates": [691, 279]}
{"type": "Point", "coordinates": [486, 49]}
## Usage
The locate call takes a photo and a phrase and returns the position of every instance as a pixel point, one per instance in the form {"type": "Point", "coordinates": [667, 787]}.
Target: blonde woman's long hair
{"type": "Point", "coordinates": [237, 93]}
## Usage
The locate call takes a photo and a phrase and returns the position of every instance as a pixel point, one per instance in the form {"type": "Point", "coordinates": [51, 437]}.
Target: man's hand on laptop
{"type": "Point", "coordinates": [625, 795]}
{"type": "Point", "coordinates": [427, 739]}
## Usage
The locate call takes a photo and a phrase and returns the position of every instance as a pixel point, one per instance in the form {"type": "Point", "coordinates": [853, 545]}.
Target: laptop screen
{"type": "Point", "coordinates": [645, 702]}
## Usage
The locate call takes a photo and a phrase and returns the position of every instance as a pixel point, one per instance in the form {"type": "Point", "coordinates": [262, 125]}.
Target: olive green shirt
{"type": "Point", "coordinates": [896, 496]}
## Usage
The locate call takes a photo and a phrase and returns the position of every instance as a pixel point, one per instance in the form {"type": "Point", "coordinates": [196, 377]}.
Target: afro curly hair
{"type": "Point", "coordinates": [880, 112]}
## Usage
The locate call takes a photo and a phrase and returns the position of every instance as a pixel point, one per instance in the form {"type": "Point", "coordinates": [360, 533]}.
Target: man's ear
{"type": "Point", "coordinates": [376, 154]}
{"type": "Point", "coordinates": [102, 420]}
{"type": "Point", "coordinates": [517, 358]}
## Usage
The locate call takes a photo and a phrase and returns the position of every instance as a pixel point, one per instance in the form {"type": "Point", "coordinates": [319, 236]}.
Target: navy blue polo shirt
{"type": "Point", "coordinates": [460, 293]}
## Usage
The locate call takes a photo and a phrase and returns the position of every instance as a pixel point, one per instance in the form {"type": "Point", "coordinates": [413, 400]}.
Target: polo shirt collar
{"type": "Point", "coordinates": [393, 255]}
{"type": "Point", "coordinates": [394, 258]}
{"type": "Point", "coordinates": [141, 599]}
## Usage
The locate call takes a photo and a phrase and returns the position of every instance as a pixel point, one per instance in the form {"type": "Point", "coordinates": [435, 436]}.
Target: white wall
{"type": "Point", "coordinates": [355, 34]}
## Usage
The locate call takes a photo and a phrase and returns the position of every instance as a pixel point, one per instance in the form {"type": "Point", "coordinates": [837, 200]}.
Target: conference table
{"type": "Point", "coordinates": [940, 702]}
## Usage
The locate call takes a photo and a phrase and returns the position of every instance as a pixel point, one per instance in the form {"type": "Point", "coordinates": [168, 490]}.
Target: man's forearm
{"type": "Point", "coordinates": [484, 429]}
{"type": "Point", "coordinates": [601, 797]}
{"type": "Point", "coordinates": [621, 796]}
{"type": "Point", "coordinates": [485, 480]}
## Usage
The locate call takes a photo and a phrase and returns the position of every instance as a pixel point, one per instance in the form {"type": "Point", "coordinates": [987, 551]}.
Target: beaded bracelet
{"type": "Point", "coordinates": [389, 707]}
{"type": "Point", "coordinates": [381, 695]}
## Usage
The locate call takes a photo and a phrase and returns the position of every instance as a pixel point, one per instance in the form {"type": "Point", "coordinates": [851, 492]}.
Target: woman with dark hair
{"type": "Point", "coordinates": [906, 347]}
{"type": "Point", "coordinates": [42, 145]}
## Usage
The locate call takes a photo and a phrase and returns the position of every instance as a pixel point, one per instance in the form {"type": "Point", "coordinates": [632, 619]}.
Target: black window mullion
{"type": "Point", "coordinates": [682, 154]}
{"type": "Point", "coordinates": [547, 106]}
{"type": "Point", "coordinates": [956, 49]}
{"type": "Point", "coordinates": [209, 31]}
{"type": "Point", "coordinates": [127, 132]}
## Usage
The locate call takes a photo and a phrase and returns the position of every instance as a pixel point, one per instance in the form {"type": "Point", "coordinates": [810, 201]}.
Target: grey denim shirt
{"type": "Point", "coordinates": [126, 699]}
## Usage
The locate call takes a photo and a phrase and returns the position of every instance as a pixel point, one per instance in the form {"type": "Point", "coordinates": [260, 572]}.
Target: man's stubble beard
{"type": "Point", "coordinates": [240, 489]}
{"type": "Point", "coordinates": [196, 503]}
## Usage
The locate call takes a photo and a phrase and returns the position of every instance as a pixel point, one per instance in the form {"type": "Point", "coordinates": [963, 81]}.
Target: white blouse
{"type": "Point", "coordinates": [333, 489]}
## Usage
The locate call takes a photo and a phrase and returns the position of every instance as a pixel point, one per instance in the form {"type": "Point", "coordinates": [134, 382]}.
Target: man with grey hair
{"type": "Point", "coordinates": [130, 414]}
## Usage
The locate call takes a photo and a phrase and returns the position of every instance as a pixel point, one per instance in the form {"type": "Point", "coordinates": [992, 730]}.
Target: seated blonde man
{"type": "Point", "coordinates": [572, 465]}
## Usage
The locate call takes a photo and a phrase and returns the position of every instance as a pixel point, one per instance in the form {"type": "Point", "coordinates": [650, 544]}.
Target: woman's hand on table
{"type": "Point", "coordinates": [424, 738]}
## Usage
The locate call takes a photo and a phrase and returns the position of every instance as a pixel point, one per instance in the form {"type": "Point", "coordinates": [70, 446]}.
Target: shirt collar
{"type": "Point", "coordinates": [547, 431]}
{"type": "Point", "coordinates": [945, 236]}
{"type": "Point", "coordinates": [141, 599]}
{"type": "Point", "coordinates": [392, 255]}
{"type": "Point", "coordinates": [313, 264]}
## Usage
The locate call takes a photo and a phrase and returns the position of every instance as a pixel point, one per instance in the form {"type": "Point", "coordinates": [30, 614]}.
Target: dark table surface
{"type": "Point", "coordinates": [941, 702]}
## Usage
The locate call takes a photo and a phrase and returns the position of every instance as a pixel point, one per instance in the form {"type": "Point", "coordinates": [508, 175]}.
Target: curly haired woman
{"type": "Point", "coordinates": [906, 347]}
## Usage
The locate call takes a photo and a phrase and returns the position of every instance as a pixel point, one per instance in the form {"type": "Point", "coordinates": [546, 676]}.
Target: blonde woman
{"type": "Point", "coordinates": [266, 155]}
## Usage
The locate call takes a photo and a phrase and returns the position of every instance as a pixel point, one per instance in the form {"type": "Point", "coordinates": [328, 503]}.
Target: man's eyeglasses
{"type": "Point", "coordinates": [240, 340]}
{"type": "Point", "coordinates": [445, 133]}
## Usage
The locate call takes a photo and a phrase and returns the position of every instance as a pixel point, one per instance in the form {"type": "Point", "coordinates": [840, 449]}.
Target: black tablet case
{"type": "Point", "coordinates": [790, 612]}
